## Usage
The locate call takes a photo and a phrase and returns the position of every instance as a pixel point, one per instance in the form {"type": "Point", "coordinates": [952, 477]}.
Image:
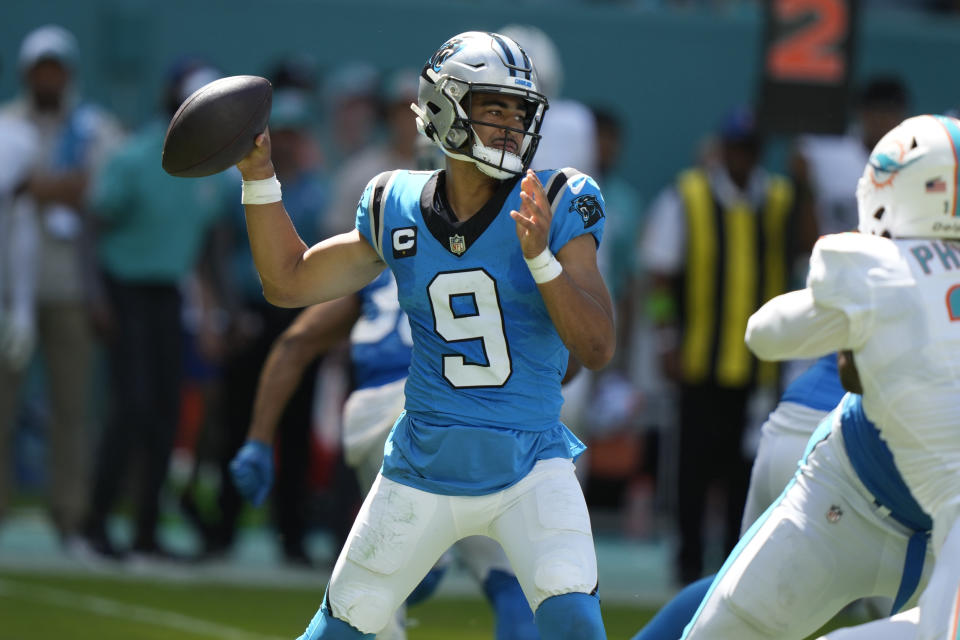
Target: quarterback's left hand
{"type": "Point", "coordinates": [533, 219]}
{"type": "Point", "coordinates": [252, 471]}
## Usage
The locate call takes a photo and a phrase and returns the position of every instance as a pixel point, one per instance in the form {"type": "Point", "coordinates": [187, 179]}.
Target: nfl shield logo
{"type": "Point", "coordinates": [458, 244]}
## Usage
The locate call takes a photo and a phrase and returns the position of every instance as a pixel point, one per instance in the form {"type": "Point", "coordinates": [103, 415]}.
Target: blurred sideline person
{"type": "Point", "coordinates": [716, 246]}
{"type": "Point", "coordinates": [252, 326]}
{"type": "Point", "coordinates": [569, 132]}
{"type": "Point", "coordinates": [153, 231]}
{"type": "Point", "coordinates": [826, 168]}
{"type": "Point", "coordinates": [352, 105]}
{"type": "Point", "coordinates": [616, 401]}
{"type": "Point", "coordinates": [618, 258]}
{"type": "Point", "coordinates": [885, 295]}
{"type": "Point", "coordinates": [19, 243]}
{"type": "Point", "coordinates": [74, 138]}
{"type": "Point", "coordinates": [479, 448]}
{"type": "Point", "coordinates": [397, 150]}
{"type": "Point", "coordinates": [380, 345]}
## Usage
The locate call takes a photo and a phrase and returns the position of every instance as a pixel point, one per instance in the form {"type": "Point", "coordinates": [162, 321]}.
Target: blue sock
{"type": "Point", "coordinates": [325, 626]}
{"type": "Point", "coordinates": [670, 621]}
{"type": "Point", "coordinates": [571, 616]}
{"type": "Point", "coordinates": [427, 586]}
{"type": "Point", "coordinates": [514, 619]}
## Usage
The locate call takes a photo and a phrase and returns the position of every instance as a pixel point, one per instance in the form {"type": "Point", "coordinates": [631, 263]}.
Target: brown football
{"type": "Point", "coordinates": [216, 126]}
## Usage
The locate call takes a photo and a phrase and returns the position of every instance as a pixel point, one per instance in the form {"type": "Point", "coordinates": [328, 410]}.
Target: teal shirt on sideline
{"type": "Point", "coordinates": [625, 216]}
{"type": "Point", "coordinates": [153, 224]}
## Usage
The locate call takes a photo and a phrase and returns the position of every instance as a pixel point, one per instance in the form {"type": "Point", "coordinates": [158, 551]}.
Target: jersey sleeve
{"type": "Point", "coordinates": [844, 268]}
{"type": "Point", "coordinates": [369, 220]}
{"type": "Point", "coordinates": [577, 206]}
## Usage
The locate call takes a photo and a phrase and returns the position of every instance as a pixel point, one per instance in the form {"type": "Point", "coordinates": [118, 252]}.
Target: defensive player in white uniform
{"type": "Point", "coordinates": [380, 346]}
{"type": "Point", "coordinates": [784, 435]}
{"type": "Point", "coordinates": [890, 295]}
{"type": "Point", "coordinates": [496, 270]}
{"type": "Point", "coordinates": [899, 298]}
{"type": "Point", "coordinates": [920, 420]}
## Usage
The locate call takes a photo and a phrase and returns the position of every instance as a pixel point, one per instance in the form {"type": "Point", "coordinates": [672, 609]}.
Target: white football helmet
{"type": "Point", "coordinates": [909, 186]}
{"type": "Point", "coordinates": [479, 62]}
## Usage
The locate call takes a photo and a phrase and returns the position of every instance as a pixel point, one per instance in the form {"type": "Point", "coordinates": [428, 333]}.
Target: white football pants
{"type": "Point", "coordinates": [822, 545]}
{"type": "Point", "coordinates": [541, 522]}
{"type": "Point", "coordinates": [783, 439]}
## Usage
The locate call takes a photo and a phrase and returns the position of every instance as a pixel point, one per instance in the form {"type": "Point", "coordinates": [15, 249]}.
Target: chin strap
{"type": "Point", "coordinates": [502, 164]}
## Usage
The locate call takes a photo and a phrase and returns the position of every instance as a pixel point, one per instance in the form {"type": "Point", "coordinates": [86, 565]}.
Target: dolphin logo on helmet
{"type": "Point", "coordinates": [909, 185]}
{"type": "Point", "coordinates": [886, 167]}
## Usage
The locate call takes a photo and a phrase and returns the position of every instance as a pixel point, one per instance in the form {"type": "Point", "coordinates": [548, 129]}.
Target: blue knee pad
{"type": "Point", "coordinates": [571, 616]}
{"type": "Point", "coordinates": [325, 626]}
{"type": "Point", "coordinates": [427, 586]}
{"type": "Point", "coordinates": [514, 619]}
{"type": "Point", "coordinates": [671, 620]}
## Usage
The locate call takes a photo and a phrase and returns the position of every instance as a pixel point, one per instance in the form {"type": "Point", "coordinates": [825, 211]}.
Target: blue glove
{"type": "Point", "coordinates": [252, 471]}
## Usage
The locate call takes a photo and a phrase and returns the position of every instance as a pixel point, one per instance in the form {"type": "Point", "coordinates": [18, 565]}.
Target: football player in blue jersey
{"type": "Point", "coordinates": [380, 346]}
{"type": "Point", "coordinates": [496, 270]}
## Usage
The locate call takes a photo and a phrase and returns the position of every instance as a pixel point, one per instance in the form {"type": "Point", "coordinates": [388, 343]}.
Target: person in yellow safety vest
{"type": "Point", "coordinates": [716, 247]}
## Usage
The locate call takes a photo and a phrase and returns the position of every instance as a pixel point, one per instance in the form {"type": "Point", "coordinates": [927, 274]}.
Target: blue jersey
{"type": "Point", "coordinates": [380, 342]}
{"type": "Point", "coordinates": [818, 387]}
{"type": "Point", "coordinates": [483, 394]}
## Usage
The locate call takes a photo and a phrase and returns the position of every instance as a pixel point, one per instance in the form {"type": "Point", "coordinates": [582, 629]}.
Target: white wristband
{"type": "Point", "coordinates": [544, 267]}
{"type": "Point", "coordinates": [261, 191]}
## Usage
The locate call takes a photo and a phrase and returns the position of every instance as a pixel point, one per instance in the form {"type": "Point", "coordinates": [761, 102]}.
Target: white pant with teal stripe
{"type": "Point", "coordinates": [937, 617]}
{"type": "Point", "coordinates": [823, 544]}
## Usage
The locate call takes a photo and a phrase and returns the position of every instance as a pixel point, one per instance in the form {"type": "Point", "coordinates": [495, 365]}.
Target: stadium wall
{"type": "Point", "coordinates": [671, 72]}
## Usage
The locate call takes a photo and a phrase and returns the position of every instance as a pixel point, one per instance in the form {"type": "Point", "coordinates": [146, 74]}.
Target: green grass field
{"type": "Point", "coordinates": [41, 606]}
{"type": "Point", "coordinates": [45, 606]}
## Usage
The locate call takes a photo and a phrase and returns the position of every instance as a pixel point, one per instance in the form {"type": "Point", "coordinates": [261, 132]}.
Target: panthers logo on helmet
{"type": "Point", "coordinates": [588, 207]}
{"type": "Point", "coordinates": [449, 48]}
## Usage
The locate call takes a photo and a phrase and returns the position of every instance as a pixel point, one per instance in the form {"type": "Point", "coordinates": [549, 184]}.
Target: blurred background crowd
{"type": "Point", "coordinates": [132, 324]}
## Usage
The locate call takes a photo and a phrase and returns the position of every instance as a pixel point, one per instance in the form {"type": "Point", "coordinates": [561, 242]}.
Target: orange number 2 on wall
{"type": "Point", "coordinates": [810, 53]}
